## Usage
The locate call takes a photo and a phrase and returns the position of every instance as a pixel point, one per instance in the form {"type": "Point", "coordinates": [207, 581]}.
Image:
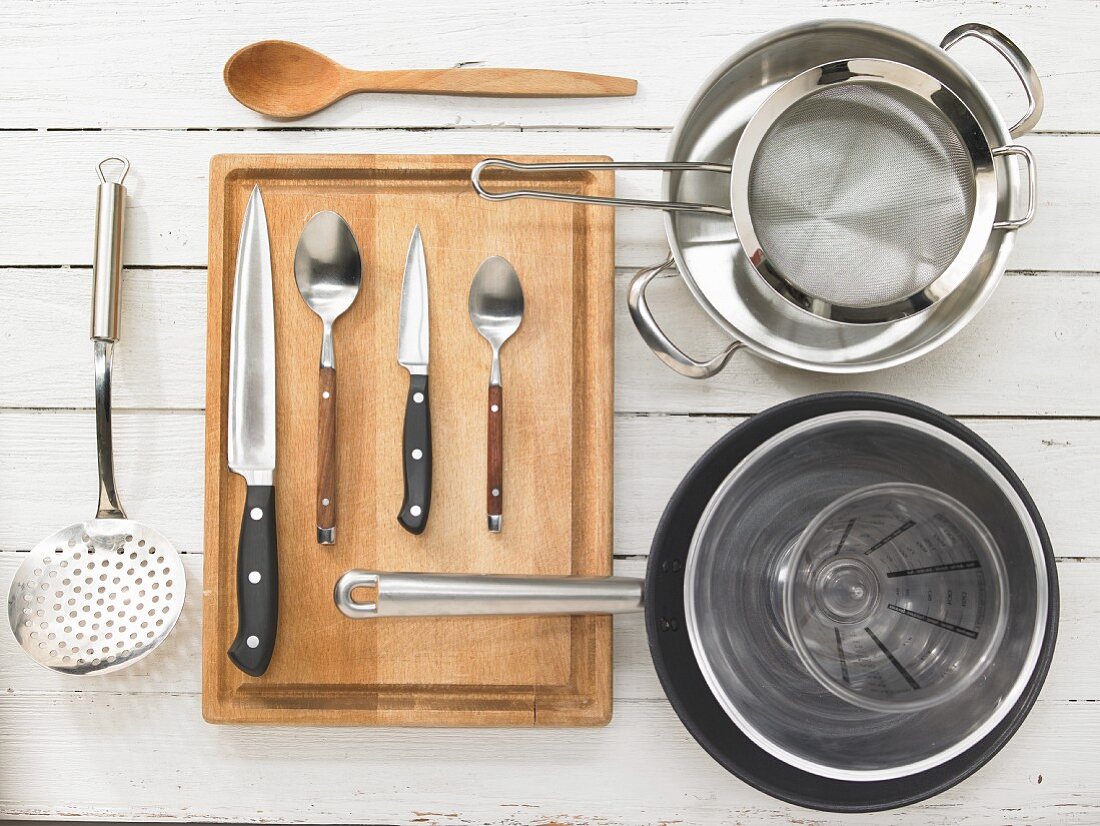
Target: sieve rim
{"type": "Point", "coordinates": [896, 76]}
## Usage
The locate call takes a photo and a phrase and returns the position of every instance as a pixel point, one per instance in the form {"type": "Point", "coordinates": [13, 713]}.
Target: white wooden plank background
{"type": "Point", "coordinates": [84, 79]}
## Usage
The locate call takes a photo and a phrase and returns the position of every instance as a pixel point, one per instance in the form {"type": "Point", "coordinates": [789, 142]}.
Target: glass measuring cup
{"type": "Point", "coordinates": [894, 597]}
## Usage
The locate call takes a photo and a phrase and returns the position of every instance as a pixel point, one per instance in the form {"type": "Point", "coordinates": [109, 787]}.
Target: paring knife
{"type": "Point", "coordinates": [412, 354]}
{"type": "Point", "coordinates": [252, 442]}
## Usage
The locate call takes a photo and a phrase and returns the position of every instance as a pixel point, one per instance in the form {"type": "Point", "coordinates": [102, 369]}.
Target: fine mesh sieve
{"type": "Point", "coordinates": [863, 191]}
{"type": "Point", "coordinates": [861, 194]}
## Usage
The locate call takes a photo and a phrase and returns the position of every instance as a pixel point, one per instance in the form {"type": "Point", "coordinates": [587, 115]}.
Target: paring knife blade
{"type": "Point", "coordinates": [412, 354]}
{"type": "Point", "coordinates": [251, 440]}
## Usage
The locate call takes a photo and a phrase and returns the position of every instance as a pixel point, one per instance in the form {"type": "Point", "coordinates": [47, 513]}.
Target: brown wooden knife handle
{"type": "Point", "coordinates": [326, 458]}
{"type": "Point", "coordinates": [495, 488]}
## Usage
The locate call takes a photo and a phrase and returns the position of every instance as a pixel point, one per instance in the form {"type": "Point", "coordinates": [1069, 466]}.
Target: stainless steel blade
{"type": "Point", "coordinates": [252, 353]}
{"type": "Point", "coordinates": [412, 339]}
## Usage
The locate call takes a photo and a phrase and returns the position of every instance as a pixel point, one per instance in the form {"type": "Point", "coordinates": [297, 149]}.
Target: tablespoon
{"type": "Point", "coordinates": [496, 310]}
{"type": "Point", "coordinates": [287, 80]}
{"type": "Point", "coordinates": [328, 270]}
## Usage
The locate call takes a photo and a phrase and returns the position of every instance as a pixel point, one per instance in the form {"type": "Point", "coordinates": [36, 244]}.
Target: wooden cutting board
{"type": "Point", "coordinates": [558, 380]}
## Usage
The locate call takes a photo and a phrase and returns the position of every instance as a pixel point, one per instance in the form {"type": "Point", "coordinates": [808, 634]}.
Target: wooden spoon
{"type": "Point", "coordinates": [288, 80]}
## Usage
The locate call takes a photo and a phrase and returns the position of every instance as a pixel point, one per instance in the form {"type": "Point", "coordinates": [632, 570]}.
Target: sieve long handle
{"type": "Point", "coordinates": [439, 595]}
{"type": "Point", "coordinates": [655, 337]}
{"type": "Point", "coordinates": [1023, 68]}
{"type": "Point", "coordinates": [667, 206]}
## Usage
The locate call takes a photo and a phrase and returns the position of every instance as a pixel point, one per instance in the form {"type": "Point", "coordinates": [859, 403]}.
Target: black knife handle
{"type": "Point", "coordinates": [417, 454]}
{"type": "Point", "coordinates": [257, 583]}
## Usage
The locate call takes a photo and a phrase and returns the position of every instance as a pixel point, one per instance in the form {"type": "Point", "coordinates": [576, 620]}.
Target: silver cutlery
{"type": "Point", "coordinates": [252, 442]}
{"type": "Point", "coordinates": [412, 354]}
{"type": "Point", "coordinates": [496, 310]}
{"type": "Point", "coordinates": [328, 270]}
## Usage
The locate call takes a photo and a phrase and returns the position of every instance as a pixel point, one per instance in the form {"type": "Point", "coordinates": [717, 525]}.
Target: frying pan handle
{"type": "Point", "coordinates": [1016, 59]}
{"type": "Point", "coordinates": [667, 206]}
{"type": "Point", "coordinates": [1032, 184]}
{"type": "Point", "coordinates": [655, 337]}
{"type": "Point", "coordinates": [441, 595]}
{"type": "Point", "coordinates": [107, 263]}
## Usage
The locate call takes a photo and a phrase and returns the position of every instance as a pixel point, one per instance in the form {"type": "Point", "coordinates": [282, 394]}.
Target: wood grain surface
{"type": "Point", "coordinates": [544, 671]}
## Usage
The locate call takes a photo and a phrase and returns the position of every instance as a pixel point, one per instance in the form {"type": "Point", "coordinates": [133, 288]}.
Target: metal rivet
{"type": "Point", "coordinates": [417, 453]}
{"type": "Point", "coordinates": [254, 577]}
{"type": "Point", "coordinates": [415, 510]}
{"type": "Point", "coordinates": [418, 397]}
{"type": "Point", "coordinates": [495, 408]}
{"type": "Point", "coordinates": [253, 641]}
{"type": "Point", "coordinates": [257, 514]}
{"type": "Point", "coordinates": [326, 395]}
{"type": "Point", "coordinates": [496, 491]}
{"type": "Point", "coordinates": [324, 502]}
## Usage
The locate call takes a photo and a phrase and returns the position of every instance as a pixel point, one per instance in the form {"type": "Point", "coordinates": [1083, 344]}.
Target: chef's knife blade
{"type": "Point", "coordinates": [412, 354]}
{"type": "Point", "coordinates": [252, 442]}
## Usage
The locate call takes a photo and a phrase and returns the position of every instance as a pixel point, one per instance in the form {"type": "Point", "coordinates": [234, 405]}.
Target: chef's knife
{"type": "Point", "coordinates": [412, 354]}
{"type": "Point", "coordinates": [252, 442]}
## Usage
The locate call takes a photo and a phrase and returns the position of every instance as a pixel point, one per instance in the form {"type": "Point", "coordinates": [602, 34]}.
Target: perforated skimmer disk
{"type": "Point", "coordinates": [96, 596]}
{"type": "Point", "coordinates": [861, 194]}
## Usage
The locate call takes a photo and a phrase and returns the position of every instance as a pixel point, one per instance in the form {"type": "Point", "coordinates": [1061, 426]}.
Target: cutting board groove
{"type": "Point", "coordinates": [558, 380]}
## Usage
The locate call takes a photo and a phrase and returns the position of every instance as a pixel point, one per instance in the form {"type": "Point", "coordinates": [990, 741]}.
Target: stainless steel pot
{"type": "Point", "coordinates": [721, 260]}
{"type": "Point", "coordinates": [940, 596]}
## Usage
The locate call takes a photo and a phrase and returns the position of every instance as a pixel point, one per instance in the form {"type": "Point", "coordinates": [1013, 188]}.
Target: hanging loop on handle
{"type": "Point", "coordinates": [1032, 184]}
{"type": "Point", "coordinates": [107, 260]}
{"type": "Point", "coordinates": [440, 595]}
{"type": "Point", "coordinates": [655, 337]}
{"type": "Point", "coordinates": [667, 206]}
{"type": "Point", "coordinates": [1023, 68]}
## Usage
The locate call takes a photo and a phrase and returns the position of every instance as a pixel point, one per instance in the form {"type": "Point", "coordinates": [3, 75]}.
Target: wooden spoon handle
{"type": "Point", "coordinates": [500, 83]}
{"type": "Point", "coordinates": [494, 491]}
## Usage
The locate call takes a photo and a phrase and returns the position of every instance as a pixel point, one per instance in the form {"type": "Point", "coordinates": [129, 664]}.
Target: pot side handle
{"type": "Point", "coordinates": [655, 337]}
{"type": "Point", "coordinates": [1023, 68]}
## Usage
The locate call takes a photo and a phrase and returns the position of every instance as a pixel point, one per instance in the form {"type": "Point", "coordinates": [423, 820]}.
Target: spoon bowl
{"type": "Point", "coordinates": [327, 266]}
{"type": "Point", "coordinates": [284, 79]}
{"type": "Point", "coordinates": [496, 301]}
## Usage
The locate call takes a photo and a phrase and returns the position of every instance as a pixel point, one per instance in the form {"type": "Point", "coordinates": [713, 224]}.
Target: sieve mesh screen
{"type": "Point", "coordinates": [861, 194]}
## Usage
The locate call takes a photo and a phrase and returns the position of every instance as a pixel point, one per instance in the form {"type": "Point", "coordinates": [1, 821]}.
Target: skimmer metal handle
{"type": "Point", "coordinates": [655, 337]}
{"type": "Point", "coordinates": [1023, 68]}
{"type": "Point", "coordinates": [106, 290]}
{"type": "Point", "coordinates": [107, 262]}
{"type": "Point", "coordinates": [437, 595]}
{"type": "Point", "coordinates": [667, 206]}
